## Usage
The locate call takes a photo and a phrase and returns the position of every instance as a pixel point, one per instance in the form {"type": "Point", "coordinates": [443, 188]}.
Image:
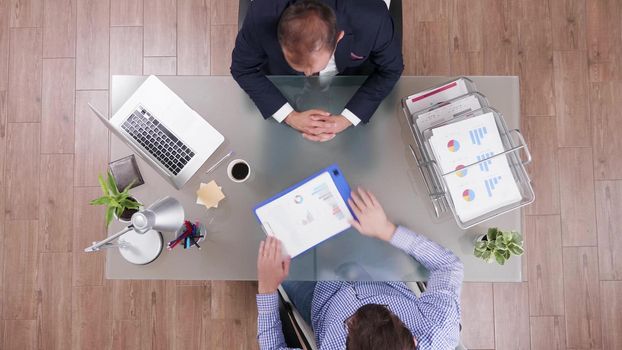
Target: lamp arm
{"type": "Point", "coordinates": [97, 245]}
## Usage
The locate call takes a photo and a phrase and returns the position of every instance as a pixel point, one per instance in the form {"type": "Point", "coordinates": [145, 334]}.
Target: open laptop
{"type": "Point", "coordinates": [170, 136]}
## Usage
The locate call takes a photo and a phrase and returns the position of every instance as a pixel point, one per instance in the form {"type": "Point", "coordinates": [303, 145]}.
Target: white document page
{"type": "Point", "coordinates": [481, 188]}
{"type": "Point", "coordinates": [307, 215]}
{"type": "Point", "coordinates": [447, 112]}
{"type": "Point", "coordinates": [429, 98]}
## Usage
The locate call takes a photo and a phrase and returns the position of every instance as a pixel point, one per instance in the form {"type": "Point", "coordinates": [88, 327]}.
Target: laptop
{"type": "Point", "coordinates": [169, 135]}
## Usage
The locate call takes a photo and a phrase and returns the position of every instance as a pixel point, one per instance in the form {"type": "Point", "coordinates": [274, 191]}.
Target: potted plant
{"type": "Point", "coordinates": [498, 245]}
{"type": "Point", "coordinates": [119, 204]}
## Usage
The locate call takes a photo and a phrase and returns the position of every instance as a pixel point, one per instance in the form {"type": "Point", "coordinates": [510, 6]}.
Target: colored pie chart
{"type": "Point", "coordinates": [453, 146]}
{"type": "Point", "coordinates": [461, 171]}
{"type": "Point", "coordinates": [468, 195]}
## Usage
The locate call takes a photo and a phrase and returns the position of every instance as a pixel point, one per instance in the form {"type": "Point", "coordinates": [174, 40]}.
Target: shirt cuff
{"type": "Point", "coordinates": [283, 112]}
{"type": "Point", "coordinates": [402, 238]}
{"type": "Point", "coordinates": [351, 117]}
{"type": "Point", "coordinates": [267, 302]}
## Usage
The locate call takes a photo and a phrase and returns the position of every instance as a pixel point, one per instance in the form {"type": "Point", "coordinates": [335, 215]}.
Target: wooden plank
{"type": "Point", "coordinates": [20, 268]}
{"type": "Point", "coordinates": [126, 50]}
{"type": "Point", "coordinates": [541, 136]}
{"type": "Point", "coordinates": [93, 44]}
{"type": "Point", "coordinates": [478, 329]}
{"type": "Point", "coordinates": [124, 335]}
{"type": "Point", "coordinates": [572, 99]}
{"type": "Point", "coordinates": [26, 13]}
{"type": "Point", "coordinates": [605, 102]}
{"type": "Point", "coordinates": [609, 221]}
{"type": "Point", "coordinates": [611, 297]}
{"type": "Point", "coordinates": [20, 335]}
{"type": "Point", "coordinates": [500, 38]}
{"type": "Point", "coordinates": [91, 147]}
{"type": "Point", "coordinates": [158, 315]}
{"type": "Point", "coordinates": [223, 40]}
{"type": "Point", "coordinates": [432, 53]}
{"type": "Point", "coordinates": [22, 182]}
{"type": "Point", "coordinates": [88, 226]}
{"type": "Point", "coordinates": [3, 130]}
{"type": "Point", "coordinates": [511, 309]}
{"type": "Point", "coordinates": [193, 37]}
{"type": "Point", "coordinates": [160, 28]}
{"type": "Point", "coordinates": [228, 334]}
{"type": "Point", "coordinates": [193, 308]}
{"type": "Point", "coordinates": [126, 13]}
{"type": "Point", "coordinates": [431, 10]}
{"type": "Point", "coordinates": [91, 326]}
{"type": "Point", "coordinates": [58, 100]}
{"type": "Point", "coordinates": [59, 28]}
{"type": "Point", "coordinates": [160, 66]}
{"type": "Point", "coordinates": [225, 12]}
{"type": "Point", "coordinates": [546, 285]}
{"type": "Point", "coordinates": [582, 300]}
{"type": "Point", "coordinates": [54, 285]}
{"type": "Point", "coordinates": [408, 37]}
{"type": "Point", "coordinates": [548, 332]}
{"type": "Point", "coordinates": [25, 78]}
{"type": "Point", "coordinates": [56, 203]}
{"type": "Point", "coordinates": [232, 299]}
{"type": "Point", "coordinates": [568, 18]}
{"type": "Point", "coordinates": [126, 295]}
{"type": "Point", "coordinates": [466, 26]}
{"type": "Point", "coordinates": [535, 58]}
{"type": "Point", "coordinates": [467, 63]}
{"type": "Point", "coordinates": [604, 39]}
{"type": "Point", "coordinates": [576, 184]}
{"type": "Point", "coordinates": [4, 47]}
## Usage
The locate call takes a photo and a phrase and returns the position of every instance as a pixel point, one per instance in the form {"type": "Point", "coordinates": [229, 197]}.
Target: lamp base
{"type": "Point", "coordinates": [141, 249]}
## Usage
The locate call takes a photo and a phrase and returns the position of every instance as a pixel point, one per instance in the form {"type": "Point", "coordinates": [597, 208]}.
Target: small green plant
{"type": "Point", "coordinates": [499, 245]}
{"type": "Point", "coordinates": [116, 202]}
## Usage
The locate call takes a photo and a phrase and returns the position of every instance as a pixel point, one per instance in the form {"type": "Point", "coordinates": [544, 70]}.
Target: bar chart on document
{"type": "Point", "coordinates": [484, 187]}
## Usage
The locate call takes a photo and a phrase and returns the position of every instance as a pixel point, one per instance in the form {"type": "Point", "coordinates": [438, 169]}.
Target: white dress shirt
{"type": "Point", "coordinates": [330, 70]}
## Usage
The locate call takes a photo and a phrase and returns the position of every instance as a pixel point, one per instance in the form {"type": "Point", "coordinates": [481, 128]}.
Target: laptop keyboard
{"type": "Point", "coordinates": [157, 140]}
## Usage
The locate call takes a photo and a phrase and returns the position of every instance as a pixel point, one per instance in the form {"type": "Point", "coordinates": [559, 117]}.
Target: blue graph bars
{"type": "Point", "coordinates": [491, 184]}
{"type": "Point", "coordinates": [484, 166]}
{"type": "Point", "coordinates": [477, 135]}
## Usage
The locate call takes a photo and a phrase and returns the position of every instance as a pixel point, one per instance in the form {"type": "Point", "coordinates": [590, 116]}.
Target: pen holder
{"type": "Point", "coordinates": [189, 235]}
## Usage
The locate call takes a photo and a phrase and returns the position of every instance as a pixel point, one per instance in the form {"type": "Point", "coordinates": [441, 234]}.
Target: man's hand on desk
{"type": "Point", "coordinates": [317, 125]}
{"type": "Point", "coordinates": [372, 221]}
{"type": "Point", "coordinates": [272, 268]}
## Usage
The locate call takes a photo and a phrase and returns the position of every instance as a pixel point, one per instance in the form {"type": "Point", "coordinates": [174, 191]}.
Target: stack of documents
{"type": "Point", "coordinates": [483, 187]}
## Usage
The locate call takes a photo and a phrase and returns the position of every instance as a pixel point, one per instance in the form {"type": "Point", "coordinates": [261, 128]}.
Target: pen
{"type": "Point", "coordinates": [219, 162]}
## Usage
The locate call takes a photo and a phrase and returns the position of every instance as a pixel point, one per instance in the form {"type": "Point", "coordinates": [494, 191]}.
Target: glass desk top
{"type": "Point", "coordinates": [375, 156]}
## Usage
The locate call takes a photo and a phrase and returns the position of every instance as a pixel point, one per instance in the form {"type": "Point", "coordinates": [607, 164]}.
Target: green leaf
{"type": "Point", "coordinates": [109, 212]}
{"type": "Point", "coordinates": [130, 204]}
{"type": "Point", "coordinates": [492, 233]}
{"type": "Point", "coordinates": [128, 187]}
{"type": "Point", "coordinates": [100, 201]}
{"type": "Point", "coordinates": [500, 259]}
{"type": "Point", "coordinates": [119, 210]}
{"type": "Point", "coordinates": [516, 250]}
{"type": "Point", "coordinates": [112, 184]}
{"type": "Point", "coordinates": [507, 237]}
{"type": "Point", "coordinates": [103, 186]}
{"type": "Point", "coordinates": [478, 253]}
{"type": "Point", "coordinates": [487, 256]}
{"type": "Point", "coordinates": [517, 238]}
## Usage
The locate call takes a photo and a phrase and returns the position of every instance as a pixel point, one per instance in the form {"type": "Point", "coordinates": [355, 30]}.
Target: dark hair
{"type": "Point", "coordinates": [373, 327]}
{"type": "Point", "coordinates": [307, 26]}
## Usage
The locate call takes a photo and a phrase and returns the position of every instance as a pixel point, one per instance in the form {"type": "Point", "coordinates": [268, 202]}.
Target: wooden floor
{"type": "Point", "coordinates": [57, 55]}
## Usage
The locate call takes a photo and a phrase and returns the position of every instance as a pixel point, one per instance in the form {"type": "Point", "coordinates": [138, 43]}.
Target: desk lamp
{"type": "Point", "coordinates": [142, 241]}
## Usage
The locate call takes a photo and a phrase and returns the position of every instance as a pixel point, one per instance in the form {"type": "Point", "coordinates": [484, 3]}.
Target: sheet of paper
{"type": "Point", "coordinates": [429, 98]}
{"type": "Point", "coordinates": [210, 194]}
{"type": "Point", "coordinates": [446, 112]}
{"type": "Point", "coordinates": [481, 188]}
{"type": "Point", "coordinates": [307, 215]}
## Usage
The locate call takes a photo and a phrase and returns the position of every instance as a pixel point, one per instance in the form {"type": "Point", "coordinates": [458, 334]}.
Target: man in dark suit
{"type": "Point", "coordinates": [317, 37]}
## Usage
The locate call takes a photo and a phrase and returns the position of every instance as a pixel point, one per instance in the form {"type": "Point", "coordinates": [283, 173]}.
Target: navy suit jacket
{"type": "Point", "coordinates": [369, 36]}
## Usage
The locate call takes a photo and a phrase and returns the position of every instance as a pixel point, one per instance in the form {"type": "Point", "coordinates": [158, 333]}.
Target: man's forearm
{"type": "Point", "coordinates": [269, 328]}
{"type": "Point", "coordinates": [446, 269]}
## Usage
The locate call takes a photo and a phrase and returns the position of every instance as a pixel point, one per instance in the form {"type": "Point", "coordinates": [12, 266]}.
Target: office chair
{"type": "Point", "coordinates": [299, 334]}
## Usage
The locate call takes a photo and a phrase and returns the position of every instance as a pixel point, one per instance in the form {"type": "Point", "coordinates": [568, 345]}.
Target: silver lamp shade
{"type": "Point", "coordinates": [165, 215]}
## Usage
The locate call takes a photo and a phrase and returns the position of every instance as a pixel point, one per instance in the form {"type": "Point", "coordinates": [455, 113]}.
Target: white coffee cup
{"type": "Point", "coordinates": [239, 170]}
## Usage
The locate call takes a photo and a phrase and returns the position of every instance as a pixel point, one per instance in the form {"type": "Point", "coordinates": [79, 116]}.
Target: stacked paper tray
{"type": "Point", "coordinates": [473, 172]}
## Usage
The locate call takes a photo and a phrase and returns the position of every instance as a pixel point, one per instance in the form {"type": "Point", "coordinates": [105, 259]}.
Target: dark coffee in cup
{"type": "Point", "coordinates": [238, 170]}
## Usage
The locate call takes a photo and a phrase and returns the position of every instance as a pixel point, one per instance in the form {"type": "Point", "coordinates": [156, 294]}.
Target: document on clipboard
{"type": "Point", "coordinates": [309, 212]}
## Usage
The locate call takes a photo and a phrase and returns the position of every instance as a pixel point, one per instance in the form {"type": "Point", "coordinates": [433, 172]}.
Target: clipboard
{"type": "Point", "coordinates": [310, 241]}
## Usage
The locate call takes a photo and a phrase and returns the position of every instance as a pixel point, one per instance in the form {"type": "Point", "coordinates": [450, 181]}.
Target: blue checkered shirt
{"type": "Point", "coordinates": [433, 317]}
